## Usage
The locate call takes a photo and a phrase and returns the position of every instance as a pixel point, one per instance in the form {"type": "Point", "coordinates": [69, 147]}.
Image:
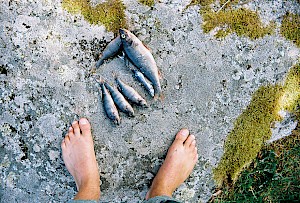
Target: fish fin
{"type": "Point", "coordinates": [99, 79]}
{"type": "Point", "coordinates": [115, 74]}
{"type": "Point", "coordinates": [99, 63]}
{"type": "Point", "coordinates": [117, 121]}
{"type": "Point", "coordinates": [147, 47]}
{"type": "Point", "coordinates": [122, 56]}
{"type": "Point", "coordinates": [127, 62]}
{"type": "Point", "coordinates": [160, 97]}
{"type": "Point", "coordinates": [159, 74]}
{"type": "Point", "coordinates": [92, 71]}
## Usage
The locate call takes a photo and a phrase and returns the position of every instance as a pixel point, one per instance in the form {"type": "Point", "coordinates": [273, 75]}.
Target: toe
{"type": "Point", "coordinates": [67, 139]}
{"type": "Point", "coordinates": [193, 144]}
{"type": "Point", "coordinates": [71, 132]}
{"type": "Point", "coordinates": [85, 127]}
{"type": "Point", "coordinates": [196, 157]}
{"type": "Point", "coordinates": [182, 135]}
{"type": "Point", "coordinates": [63, 144]}
{"type": "Point", "coordinates": [189, 140]}
{"type": "Point", "coordinates": [76, 128]}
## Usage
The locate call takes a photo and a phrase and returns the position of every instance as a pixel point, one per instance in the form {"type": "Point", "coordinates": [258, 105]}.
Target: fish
{"type": "Point", "coordinates": [140, 77]}
{"type": "Point", "coordinates": [108, 104]}
{"type": "Point", "coordinates": [129, 92]}
{"type": "Point", "coordinates": [120, 100]}
{"type": "Point", "coordinates": [110, 50]}
{"type": "Point", "coordinates": [142, 58]}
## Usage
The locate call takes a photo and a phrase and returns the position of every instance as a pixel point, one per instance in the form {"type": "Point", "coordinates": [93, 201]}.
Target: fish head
{"type": "Point", "coordinates": [125, 36]}
{"type": "Point", "coordinates": [143, 103]}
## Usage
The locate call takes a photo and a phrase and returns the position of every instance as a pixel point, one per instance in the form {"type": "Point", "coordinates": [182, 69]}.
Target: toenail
{"type": "Point", "coordinates": [70, 128]}
{"type": "Point", "coordinates": [75, 122]}
{"type": "Point", "coordinates": [185, 132]}
{"type": "Point", "coordinates": [83, 121]}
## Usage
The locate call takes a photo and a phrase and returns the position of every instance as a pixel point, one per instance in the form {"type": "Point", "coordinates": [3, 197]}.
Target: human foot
{"type": "Point", "coordinates": [178, 165]}
{"type": "Point", "coordinates": [79, 157]}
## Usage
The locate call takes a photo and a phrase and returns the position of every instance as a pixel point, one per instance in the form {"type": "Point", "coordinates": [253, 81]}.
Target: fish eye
{"type": "Point", "coordinates": [123, 36]}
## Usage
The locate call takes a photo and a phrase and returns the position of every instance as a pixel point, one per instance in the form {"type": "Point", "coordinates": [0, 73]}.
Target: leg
{"type": "Point", "coordinates": [79, 157]}
{"type": "Point", "coordinates": [179, 163]}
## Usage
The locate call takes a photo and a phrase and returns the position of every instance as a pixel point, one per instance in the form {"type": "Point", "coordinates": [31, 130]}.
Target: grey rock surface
{"type": "Point", "coordinates": [45, 61]}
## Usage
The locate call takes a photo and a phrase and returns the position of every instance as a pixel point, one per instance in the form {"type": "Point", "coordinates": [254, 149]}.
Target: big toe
{"type": "Point", "coordinates": [182, 135]}
{"type": "Point", "coordinates": [85, 127]}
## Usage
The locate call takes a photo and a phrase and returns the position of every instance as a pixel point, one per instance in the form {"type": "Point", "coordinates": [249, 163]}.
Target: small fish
{"type": "Point", "coordinates": [142, 58]}
{"type": "Point", "coordinates": [109, 105]}
{"type": "Point", "coordinates": [130, 93]}
{"type": "Point", "coordinates": [110, 50]}
{"type": "Point", "coordinates": [140, 77]}
{"type": "Point", "coordinates": [119, 100]}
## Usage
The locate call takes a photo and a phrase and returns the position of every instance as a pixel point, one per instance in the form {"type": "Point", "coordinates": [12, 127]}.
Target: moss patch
{"type": "Point", "coordinates": [242, 21]}
{"type": "Point", "coordinates": [227, 19]}
{"type": "Point", "coordinates": [111, 14]}
{"type": "Point", "coordinates": [272, 177]}
{"type": "Point", "coordinates": [290, 27]}
{"type": "Point", "coordinates": [147, 2]}
{"type": "Point", "coordinates": [290, 99]}
{"type": "Point", "coordinates": [252, 127]}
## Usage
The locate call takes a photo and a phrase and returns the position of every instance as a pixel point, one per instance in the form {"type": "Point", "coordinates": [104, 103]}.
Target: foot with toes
{"type": "Point", "coordinates": [178, 165]}
{"type": "Point", "coordinates": [79, 157]}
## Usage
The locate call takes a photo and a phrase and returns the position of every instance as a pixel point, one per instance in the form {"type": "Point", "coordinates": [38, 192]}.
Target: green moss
{"type": "Point", "coordinates": [242, 21]}
{"type": "Point", "coordinates": [147, 2]}
{"type": "Point", "coordinates": [201, 2]}
{"type": "Point", "coordinates": [291, 94]}
{"type": "Point", "coordinates": [252, 127]}
{"type": "Point", "coordinates": [110, 13]}
{"type": "Point", "coordinates": [290, 27]}
{"type": "Point", "coordinates": [272, 177]}
{"type": "Point", "coordinates": [228, 19]}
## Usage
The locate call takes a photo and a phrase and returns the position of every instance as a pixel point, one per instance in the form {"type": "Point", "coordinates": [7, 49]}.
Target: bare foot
{"type": "Point", "coordinates": [178, 165]}
{"type": "Point", "coordinates": [79, 157]}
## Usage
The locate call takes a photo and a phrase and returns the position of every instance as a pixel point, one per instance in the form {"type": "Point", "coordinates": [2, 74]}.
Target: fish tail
{"type": "Point", "coordinates": [117, 121]}
{"type": "Point", "coordinates": [99, 63]}
{"type": "Point", "coordinates": [115, 75]}
{"type": "Point", "coordinates": [99, 79]}
{"type": "Point", "coordinates": [158, 93]}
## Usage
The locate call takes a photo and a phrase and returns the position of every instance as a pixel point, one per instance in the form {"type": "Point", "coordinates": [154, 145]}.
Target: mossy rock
{"type": "Point", "coordinates": [149, 3]}
{"type": "Point", "coordinates": [290, 27]}
{"type": "Point", "coordinates": [111, 14]}
{"type": "Point", "coordinates": [242, 21]}
{"type": "Point", "coordinates": [252, 127]}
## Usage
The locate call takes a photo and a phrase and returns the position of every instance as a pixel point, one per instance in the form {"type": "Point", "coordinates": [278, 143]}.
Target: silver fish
{"type": "Point", "coordinates": [109, 105]}
{"type": "Point", "coordinates": [130, 93]}
{"type": "Point", "coordinates": [119, 100]}
{"type": "Point", "coordinates": [140, 77]}
{"type": "Point", "coordinates": [141, 57]}
{"type": "Point", "coordinates": [110, 50]}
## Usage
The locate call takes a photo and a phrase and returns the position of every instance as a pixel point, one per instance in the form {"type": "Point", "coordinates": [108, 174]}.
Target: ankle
{"type": "Point", "coordinates": [159, 191]}
{"type": "Point", "coordinates": [88, 191]}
